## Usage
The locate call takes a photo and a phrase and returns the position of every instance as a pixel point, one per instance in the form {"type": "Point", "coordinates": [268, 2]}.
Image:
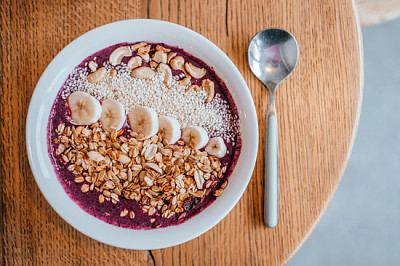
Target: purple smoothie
{"type": "Point", "coordinates": [108, 211]}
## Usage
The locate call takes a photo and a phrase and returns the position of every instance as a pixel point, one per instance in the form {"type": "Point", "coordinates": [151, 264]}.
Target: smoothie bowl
{"type": "Point", "coordinates": [142, 139]}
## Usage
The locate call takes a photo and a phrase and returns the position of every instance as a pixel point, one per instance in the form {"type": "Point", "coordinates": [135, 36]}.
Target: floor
{"type": "Point", "coordinates": [361, 224]}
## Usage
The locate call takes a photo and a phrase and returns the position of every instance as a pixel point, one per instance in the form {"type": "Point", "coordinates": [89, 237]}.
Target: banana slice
{"type": "Point", "coordinates": [195, 136]}
{"type": "Point", "coordinates": [85, 109]}
{"type": "Point", "coordinates": [169, 128]}
{"type": "Point", "coordinates": [143, 120]}
{"type": "Point", "coordinates": [216, 147]}
{"type": "Point", "coordinates": [113, 115]}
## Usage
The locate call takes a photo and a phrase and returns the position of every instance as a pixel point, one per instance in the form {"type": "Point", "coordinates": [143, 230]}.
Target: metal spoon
{"type": "Point", "coordinates": [273, 55]}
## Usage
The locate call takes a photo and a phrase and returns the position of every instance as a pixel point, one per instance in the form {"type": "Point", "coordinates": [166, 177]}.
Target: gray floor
{"type": "Point", "coordinates": [362, 223]}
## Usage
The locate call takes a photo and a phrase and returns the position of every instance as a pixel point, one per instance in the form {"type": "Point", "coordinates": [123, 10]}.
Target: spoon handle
{"type": "Point", "coordinates": [271, 173]}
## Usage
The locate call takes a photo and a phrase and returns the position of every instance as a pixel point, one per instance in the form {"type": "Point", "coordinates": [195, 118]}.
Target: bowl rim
{"type": "Point", "coordinates": [50, 83]}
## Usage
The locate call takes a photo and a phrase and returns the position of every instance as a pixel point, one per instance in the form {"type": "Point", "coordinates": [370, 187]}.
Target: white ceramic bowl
{"type": "Point", "coordinates": [51, 82]}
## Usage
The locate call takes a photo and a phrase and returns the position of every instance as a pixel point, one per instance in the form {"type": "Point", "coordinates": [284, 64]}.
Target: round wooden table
{"type": "Point", "coordinates": [318, 109]}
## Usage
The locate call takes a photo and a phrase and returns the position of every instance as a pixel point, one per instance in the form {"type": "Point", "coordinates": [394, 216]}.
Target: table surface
{"type": "Point", "coordinates": [318, 108]}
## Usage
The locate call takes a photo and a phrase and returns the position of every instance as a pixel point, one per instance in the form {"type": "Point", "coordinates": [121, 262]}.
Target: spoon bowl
{"type": "Point", "coordinates": [272, 55]}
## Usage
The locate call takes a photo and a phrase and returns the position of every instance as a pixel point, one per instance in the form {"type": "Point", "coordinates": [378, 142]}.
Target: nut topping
{"type": "Point", "coordinates": [144, 50]}
{"type": "Point", "coordinates": [153, 64]}
{"type": "Point", "coordinates": [185, 81]}
{"type": "Point", "coordinates": [170, 56]}
{"type": "Point", "coordinates": [145, 57]}
{"type": "Point", "coordinates": [165, 177]}
{"type": "Point", "coordinates": [208, 86]}
{"type": "Point", "coordinates": [162, 48]}
{"type": "Point", "coordinates": [95, 156]}
{"type": "Point", "coordinates": [160, 57]}
{"type": "Point", "coordinates": [195, 72]}
{"type": "Point", "coordinates": [134, 62]}
{"type": "Point", "coordinates": [119, 53]}
{"type": "Point", "coordinates": [164, 68]}
{"type": "Point", "coordinates": [194, 87]}
{"type": "Point", "coordinates": [135, 47]}
{"type": "Point", "coordinates": [92, 66]}
{"type": "Point", "coordinates": [154, 167]}
{"type": "Point", "coordinates": [97, 76]}
{"type": "Point", "coordinates": [177, 62]}
{"type": "Point", "coordinates": [143, 73]}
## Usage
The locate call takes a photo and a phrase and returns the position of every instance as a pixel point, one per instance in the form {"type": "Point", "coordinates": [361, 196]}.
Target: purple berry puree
{"type": "Point", "coordinates": [108, 211]}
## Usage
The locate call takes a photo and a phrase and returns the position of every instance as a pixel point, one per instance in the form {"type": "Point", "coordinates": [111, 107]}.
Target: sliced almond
{"type": "Point", "coordinates": [162, 48]}
{"type": "Point", "coordinates": [119, 53]}
{"type": "Point", "coordinates": [164, 68]}
{"type": "Point", "coordinates": [123, 213]}
{"type": "Point", "coordinates": [208, 86]}
{"type": "Point", "coordinates": [195, 72]}
{"type": "Point", "coordinates": [148, 181]}
{"type": "Point", "coordinates": [124, 159]}
{"type": "Point", "coordinates": [170, 56]}
{"type": "Point", "coordinates": [185, 81]}
{"type": "Point", "coordinates": [150, 152]}
{"type": "Point", "coordinates": [134, 62]}
{"type": "Point", "coordinates": [92, 66]}
{"type": "Point", "coordinates": [177, 62]}
{"type": "Point", "coordinates": [143, 73]}
{"type": "Point", "coordinates": [60, 149]}
{"type": "Point", "coordinates": [97, 76]}
{"type": "Point", "coordinates": [135, 47]}
{"type": "Point", "coordinates": [218, 192]}
{"type": "Point", "coordinates": [95, 156]}
{"type": "Point", "coordinates": [154, 167]}
{"type": "Point", "coordinates": [198, 177]}
{"type": "Point", "coordinates": [85, 188]}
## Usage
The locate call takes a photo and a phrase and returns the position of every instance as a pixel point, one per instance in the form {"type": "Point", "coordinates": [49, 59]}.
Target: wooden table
{"type": "Point", "coordinates": [318, 109]}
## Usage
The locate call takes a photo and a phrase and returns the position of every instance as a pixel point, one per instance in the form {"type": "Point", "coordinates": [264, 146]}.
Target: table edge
{"type": "Point", "coordinates": [353, 137]}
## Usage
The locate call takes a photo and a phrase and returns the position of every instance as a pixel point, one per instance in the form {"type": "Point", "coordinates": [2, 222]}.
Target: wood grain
{"type": "Point", "coordinates": [318, 108]}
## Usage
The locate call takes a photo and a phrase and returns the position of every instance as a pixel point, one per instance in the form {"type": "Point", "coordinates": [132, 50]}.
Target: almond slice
{"type": "Point", "coordinates": [195, 72]}
{"type": "Point", "coordinates": [154, 167]}
{"type": "Point", "coordinates": [124, 159]}
{"type": "Point", "coordinates": [198, 177]}
{"type": "Point", "coordinates": [150, 152]}
{"type": "Point", "coordinates": [95, 156]}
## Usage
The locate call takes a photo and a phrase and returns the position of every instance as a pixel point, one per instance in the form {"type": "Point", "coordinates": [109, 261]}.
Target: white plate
{"type": "Point", "coordinates": [51, 82]}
